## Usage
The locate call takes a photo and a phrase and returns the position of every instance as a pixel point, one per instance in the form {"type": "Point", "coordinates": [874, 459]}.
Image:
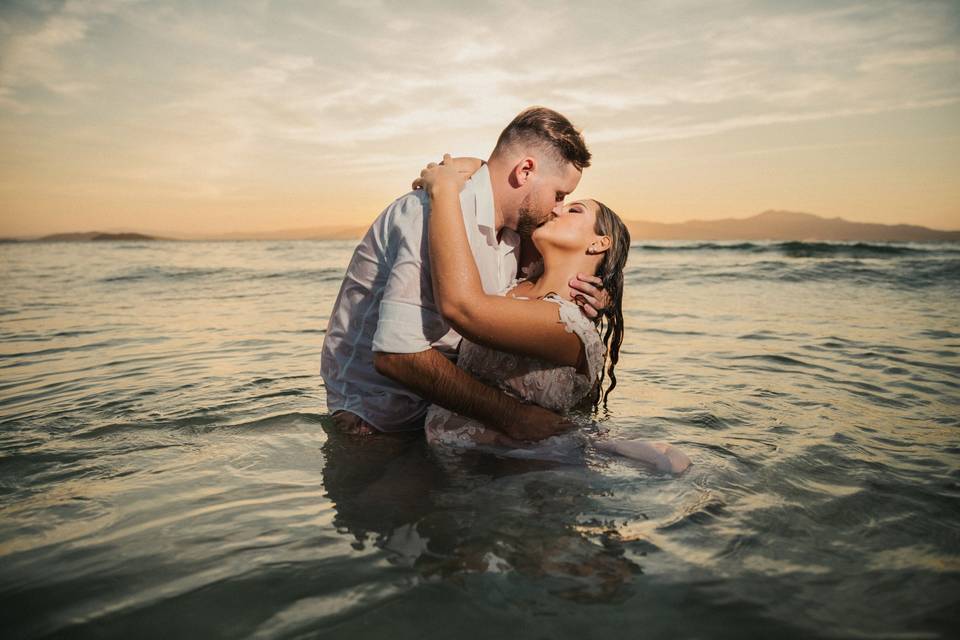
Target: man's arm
{"type": "Point", "coordinates": [408, 324]}
{"type": "Point", "coordinates": [433, 377]}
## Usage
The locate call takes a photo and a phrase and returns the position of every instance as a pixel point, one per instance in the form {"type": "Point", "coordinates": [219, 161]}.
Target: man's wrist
{"type": "Point", "coordinates": [507, 408]}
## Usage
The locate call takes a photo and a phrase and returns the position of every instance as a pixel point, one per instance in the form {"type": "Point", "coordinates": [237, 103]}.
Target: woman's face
{"type": "Point", "coordinates": [572, 229]}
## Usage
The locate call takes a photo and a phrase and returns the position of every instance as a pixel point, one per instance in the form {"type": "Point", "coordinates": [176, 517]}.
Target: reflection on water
{"type": "Point", "coordinates": [450, 517]}
{"type": "Point", "coordinates": [166, 464]}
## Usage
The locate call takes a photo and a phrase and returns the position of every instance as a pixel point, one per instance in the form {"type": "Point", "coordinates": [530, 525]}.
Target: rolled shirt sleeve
{"type": "Point", "coordinates": [386, 304]}
{"type": "Point", "coordinates": [407, 328]}
{"type": "Point", "coordinates": [408, 318]}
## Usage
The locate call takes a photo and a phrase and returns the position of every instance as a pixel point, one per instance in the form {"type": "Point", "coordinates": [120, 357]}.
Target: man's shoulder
{"type": "Point", "coordinates": [405, 210]}
{"type": "Point", "coordinates": [412, 201]}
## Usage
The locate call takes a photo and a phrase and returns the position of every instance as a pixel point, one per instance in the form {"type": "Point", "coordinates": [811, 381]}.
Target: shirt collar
{"type": "Point", "coordinates": [483, 195]}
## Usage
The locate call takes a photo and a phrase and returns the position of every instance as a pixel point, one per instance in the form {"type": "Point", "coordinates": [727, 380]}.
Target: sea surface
{"type": "Point", "coordinates": [167, 471]}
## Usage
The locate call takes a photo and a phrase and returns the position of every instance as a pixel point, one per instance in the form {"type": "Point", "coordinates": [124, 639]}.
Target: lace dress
{"type": "Point", "coordinates": [554, 387]}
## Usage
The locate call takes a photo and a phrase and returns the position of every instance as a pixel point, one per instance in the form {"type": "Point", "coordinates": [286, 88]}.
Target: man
{"type": "Point", "coordinates": [388, 353]}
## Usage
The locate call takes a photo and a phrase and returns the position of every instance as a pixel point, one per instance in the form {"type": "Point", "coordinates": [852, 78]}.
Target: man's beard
{"type": "Point", "coordinates": [527, 218]}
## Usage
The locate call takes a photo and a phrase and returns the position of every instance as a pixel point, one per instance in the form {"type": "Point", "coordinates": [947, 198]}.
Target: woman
{"type": "Point", "coordinates": [531, 341]}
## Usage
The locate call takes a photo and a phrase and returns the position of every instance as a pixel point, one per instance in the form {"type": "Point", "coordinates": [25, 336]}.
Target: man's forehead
{"type": "Point", "coordinates": [569, 178]}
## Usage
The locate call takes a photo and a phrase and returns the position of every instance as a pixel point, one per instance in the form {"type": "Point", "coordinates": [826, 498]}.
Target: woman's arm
{"type": "Point", "coordinates": [530, 327]}
{"type": "Point", "coordinates": [465, 167]}
{"type": "Point", "coordinates": [659, 455]}
{"type": "Point", "coordinates": [587, 290]}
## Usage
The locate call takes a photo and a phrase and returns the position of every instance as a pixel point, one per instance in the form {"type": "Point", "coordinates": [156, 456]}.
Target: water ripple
{"type": "Point", "coordinates": [165, 461]}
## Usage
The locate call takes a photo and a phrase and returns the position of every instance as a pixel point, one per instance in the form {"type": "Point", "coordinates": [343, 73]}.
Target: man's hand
{"type": "Point", "coordinates": [587, 291]}
{"type": "Point", "coordinates": [534, 423]}
{"type": "Point", "coordinates": [433, 377]}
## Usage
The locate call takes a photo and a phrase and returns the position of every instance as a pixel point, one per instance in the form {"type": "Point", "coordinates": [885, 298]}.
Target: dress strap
{"type": "Point", "coordinates": [575, 322]}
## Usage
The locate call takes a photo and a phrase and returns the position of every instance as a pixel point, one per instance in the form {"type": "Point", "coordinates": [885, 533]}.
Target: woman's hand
{"type": "Point", "coordinates": [451, 172]}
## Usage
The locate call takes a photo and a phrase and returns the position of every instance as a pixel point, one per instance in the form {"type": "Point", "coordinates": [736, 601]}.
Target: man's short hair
{"type": "Point", "coordinates": [547, 129]}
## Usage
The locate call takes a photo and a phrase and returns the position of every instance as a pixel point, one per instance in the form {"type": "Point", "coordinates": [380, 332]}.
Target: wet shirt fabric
{"type": "Point", "coordinates": [386, 303]}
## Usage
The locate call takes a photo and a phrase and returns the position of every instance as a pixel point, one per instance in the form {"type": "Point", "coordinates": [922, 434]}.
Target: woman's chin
{"type": "Point", "coordinates": [544, 240]}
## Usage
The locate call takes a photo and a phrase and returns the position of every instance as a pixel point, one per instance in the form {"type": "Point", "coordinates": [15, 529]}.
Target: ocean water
{"type": "Point", "coordinates": [166, 468]}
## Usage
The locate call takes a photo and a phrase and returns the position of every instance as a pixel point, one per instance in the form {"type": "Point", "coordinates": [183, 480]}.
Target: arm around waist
{"type": "Point", "coordinates": [437, 379]}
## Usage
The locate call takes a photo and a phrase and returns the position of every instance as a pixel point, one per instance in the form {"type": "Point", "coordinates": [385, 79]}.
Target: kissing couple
{"type": "Point", "coordinates": [433, 330]}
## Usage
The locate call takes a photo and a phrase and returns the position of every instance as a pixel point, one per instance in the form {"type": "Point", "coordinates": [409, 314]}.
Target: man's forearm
{"type": "Point", "coordinates": [440, 381]}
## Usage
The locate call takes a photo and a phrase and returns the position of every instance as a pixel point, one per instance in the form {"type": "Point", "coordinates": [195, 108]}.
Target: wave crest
{"type": "Point", "coordinates": [802, 249]}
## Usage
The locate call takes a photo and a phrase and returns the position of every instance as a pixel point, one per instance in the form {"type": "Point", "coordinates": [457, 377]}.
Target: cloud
{"type": "Point", "coordinates": [35, 56]}
{"type": "Point", "coordinates": [39, 53]}
{"type": "Point", "coordinates": [924, 56]}
{"type": "Point", "coordinates": [675, 131]}
{"type": "Point", "coordinates": [202, 94]}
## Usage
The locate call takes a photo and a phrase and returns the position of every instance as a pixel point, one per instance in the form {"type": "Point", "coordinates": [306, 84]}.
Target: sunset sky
{"type": "Point", "coordinates": [206, 117]}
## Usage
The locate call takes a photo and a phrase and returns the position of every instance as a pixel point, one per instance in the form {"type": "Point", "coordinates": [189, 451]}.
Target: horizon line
{"type": "Point", "coordinates": [349, 229]}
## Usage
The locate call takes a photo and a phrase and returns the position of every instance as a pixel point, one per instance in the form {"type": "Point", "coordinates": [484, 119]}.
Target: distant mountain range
{"type": "Point", "coordinates": [785, 226]}
{"type": "Point", "coordinates": [311, 233]}
{"type": "Point", "coordinates": [769, 225]}
{"type": "Point", "coordinates": [97, 236]}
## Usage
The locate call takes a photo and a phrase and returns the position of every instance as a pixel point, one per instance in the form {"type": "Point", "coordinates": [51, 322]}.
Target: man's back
{"type": "Point", "coordinates": [386, 304]}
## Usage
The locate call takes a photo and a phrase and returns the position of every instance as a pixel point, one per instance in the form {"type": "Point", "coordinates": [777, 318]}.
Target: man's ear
{"type": "Point", "coordinates": [524, 169]}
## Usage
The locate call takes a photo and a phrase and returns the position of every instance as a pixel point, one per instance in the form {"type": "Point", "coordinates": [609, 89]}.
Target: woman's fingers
{"type": "Point", "coordinates": [435, 173]}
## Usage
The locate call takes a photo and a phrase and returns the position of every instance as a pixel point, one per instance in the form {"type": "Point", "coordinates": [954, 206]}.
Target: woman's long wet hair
{"type": "Point", "coordinates": [610, 271]}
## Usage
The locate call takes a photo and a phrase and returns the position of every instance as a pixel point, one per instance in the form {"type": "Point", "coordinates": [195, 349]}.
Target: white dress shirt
{"type": "Point", "coordinates": [386, 303]}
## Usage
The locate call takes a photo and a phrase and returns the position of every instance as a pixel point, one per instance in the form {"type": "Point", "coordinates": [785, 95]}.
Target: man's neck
{"type": "Point", "coordinates": [500, 187]}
